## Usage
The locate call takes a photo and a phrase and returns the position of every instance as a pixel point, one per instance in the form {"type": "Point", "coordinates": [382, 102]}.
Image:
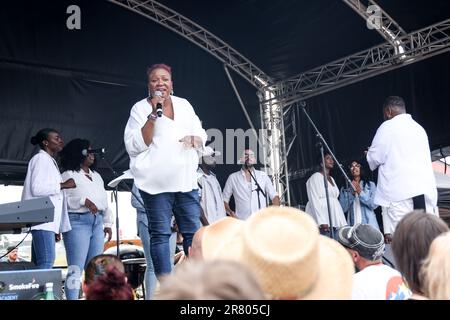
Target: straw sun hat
{"type": "Point", "coordinates": [283, 248]}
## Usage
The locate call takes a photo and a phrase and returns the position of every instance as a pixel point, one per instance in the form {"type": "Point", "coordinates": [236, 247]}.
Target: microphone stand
{"type": "Point", "coordinates": [115, 194]}
{"type": "Point", "coordinates": [258, 187]}
{"type": "Point", "coordinates": [322, 143]}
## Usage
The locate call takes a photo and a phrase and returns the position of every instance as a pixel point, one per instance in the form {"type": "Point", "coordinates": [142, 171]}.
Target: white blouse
{"type": "Point", "coordinates": [44, 180]}
{"type": "Point", "coordinates": [165, 165]}
{"type": "Point", "coordinates": [317, 201]}
{"type": "Point", "coordinates": [93, 190]}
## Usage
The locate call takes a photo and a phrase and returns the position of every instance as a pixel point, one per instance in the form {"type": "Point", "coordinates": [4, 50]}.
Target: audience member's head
{"type": "Point", "coordinates": [364, 243]}
{"type": "Point", "coordinates": [210, 280]}
{"type": "Point", "coordinates": [218, 232]}
{"type": "Point", "coordinates": [105, 279]}
{"type": "Point", "coordinates": [282, 247]}
{"type": "Point", "coordinates": [195, 250]}
{"type": "Point", "coordinates": [435, 272]}
{"type": "Point", "coordinates": [13, 254]}
{"type": "Point", "coordinates": [411, 243]}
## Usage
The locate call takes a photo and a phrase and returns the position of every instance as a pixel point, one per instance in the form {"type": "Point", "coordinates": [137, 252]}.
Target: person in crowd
{"type": "Point", "coordinates": [105, 279]}
{"type": "Point", "coordinates": [243, 186]}
{"type": "Point", "coordinates": [12, 255]}
{"type": "Point", "coordinates": [210, 192]}
{"type": "Point", "coordinates": [150, 280]}
{"type": "Point", "coordinates": [317, 200]}
{"type": "Point", "coordinates": [357, 201]}
{"type": "Point", "coordinates": [164, 161]}
{"type": "Point", "coordinates": [211, 280]}
{"type": "Point", "coordinates": [411, 244]}
{"type": "Point", "coordinates": [435, 272]}
{"type": "Point", "coordinates": [282, 247]}
{"type": "Point", "coordinates": [90, 217]}
{"type": "Point", "coordinates": [373, 280]}
{"type": "Point", "coordinates": [44, 179]}
{"type": "Point", "coordinates": [401, 153]}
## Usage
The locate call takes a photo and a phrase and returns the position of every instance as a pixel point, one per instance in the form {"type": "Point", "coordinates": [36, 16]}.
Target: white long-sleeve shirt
{"type": "Point", "coordinates": [44, 180]}
{"type": "Point", "coordinates": [165, 165]}
{"type": "Point", "coordinates": [401, 153]}
{"type": "Point", "coordinates": [317, 202]}
{"type": "Point", "coordinates": [211, 199]}
{"type": "Point", "coordinates": [245, 194]}
{"type": "Point", "coordinates": [93, 190]}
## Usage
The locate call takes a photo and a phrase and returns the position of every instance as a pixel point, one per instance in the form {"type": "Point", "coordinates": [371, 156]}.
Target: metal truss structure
{"type": "Point", "coordinates": [274, 140]}
{"type": "Point", "coordinates": [417, 45]}
{"type": "Point", "coordinates": [377, 19]}
{"type": "Point", "coordinates": [191, 31]}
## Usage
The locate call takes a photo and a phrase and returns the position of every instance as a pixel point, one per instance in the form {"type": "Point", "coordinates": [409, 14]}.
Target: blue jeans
{"type": "Point", "coordinates": [150, 278]}
{"type": "Point", "coordinates": [43, 249]}
{"type": "Point", "coordinates": [160, 207]}
{"type": "Point", "coordinates": [82, 243]}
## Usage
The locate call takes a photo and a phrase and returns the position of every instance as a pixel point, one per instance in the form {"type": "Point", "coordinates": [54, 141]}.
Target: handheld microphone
{"type": "Point", "coordinates": [99, 151]}
{"type": "Point", "coordinates": [159, 111]}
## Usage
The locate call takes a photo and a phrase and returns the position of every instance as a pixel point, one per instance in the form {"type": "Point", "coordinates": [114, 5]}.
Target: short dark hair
{"type": "Point", "coordinates": [394, 102]}
{"type": "Point", "coordinates": [159, 66]}
{"type": "Point", "coordinates": [41, 136]}
{"type": "Point", "coordinates": [411, 243]}
{"type": "Point", "coordinates": [72, 155]}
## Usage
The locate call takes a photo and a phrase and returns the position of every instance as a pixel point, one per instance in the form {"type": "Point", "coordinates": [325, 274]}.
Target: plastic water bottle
{"type": "Point", "coordinates": [49, 291]}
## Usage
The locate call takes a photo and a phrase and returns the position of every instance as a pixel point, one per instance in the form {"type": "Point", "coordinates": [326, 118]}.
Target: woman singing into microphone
{"type": "Point", "coordinates": [164, 161]}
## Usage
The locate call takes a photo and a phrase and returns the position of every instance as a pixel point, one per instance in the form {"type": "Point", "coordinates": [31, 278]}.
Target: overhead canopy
{"type": "Point", "coordinates": [84, 82]}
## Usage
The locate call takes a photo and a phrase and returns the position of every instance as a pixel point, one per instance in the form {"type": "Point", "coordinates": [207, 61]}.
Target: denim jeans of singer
{"type": "Point", "coordinates": [82, 243]}
{"type": "Point", "coordinates": [43, 249]}
{"type": "Point", "coordinates": [160, 208]}
{"type": "Point", "coordinates": [150, 277]}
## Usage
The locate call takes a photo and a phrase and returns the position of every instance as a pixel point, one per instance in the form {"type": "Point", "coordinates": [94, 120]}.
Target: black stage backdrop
{"type": "Point", "coordinates": [84, 82]}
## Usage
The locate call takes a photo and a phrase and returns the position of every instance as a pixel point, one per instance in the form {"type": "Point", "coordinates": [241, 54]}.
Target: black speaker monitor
{"type": "Point", "coordinates": [29, 284]}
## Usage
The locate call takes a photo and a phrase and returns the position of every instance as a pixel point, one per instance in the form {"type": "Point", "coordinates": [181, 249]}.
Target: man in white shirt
{"type": "Point", "coordinates": [244, 188]}
{"type": "Point", "coordinates": [401, 152]}
{"type": "Point", "coordinates": [373, 280]}
{"type": "Point", "coordinates": [210, 192]}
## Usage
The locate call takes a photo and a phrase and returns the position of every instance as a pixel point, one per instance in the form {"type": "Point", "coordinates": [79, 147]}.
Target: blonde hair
{"type": "Point", "coordinates": [436, 269]}
{"type": "Point", "coordinates": [210, 280]}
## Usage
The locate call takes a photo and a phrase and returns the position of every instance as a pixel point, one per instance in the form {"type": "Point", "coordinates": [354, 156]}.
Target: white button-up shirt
{"type": "Point", "coordinates": [401, 153]}
{"type": "Point", "coordinates": [245, 194]}
{"type": "Point", "coordinates": [165, 165]}
{"type": "Point", "coordinates": [44, 180]}
{"type": "Point", "coordinates": [211, 199]}
{"type": "Point", "coordinates": [93, 190]}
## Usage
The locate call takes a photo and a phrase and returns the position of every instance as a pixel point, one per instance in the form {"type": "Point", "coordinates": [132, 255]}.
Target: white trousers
{"type": "Point", "coordinates": [397, 210]}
